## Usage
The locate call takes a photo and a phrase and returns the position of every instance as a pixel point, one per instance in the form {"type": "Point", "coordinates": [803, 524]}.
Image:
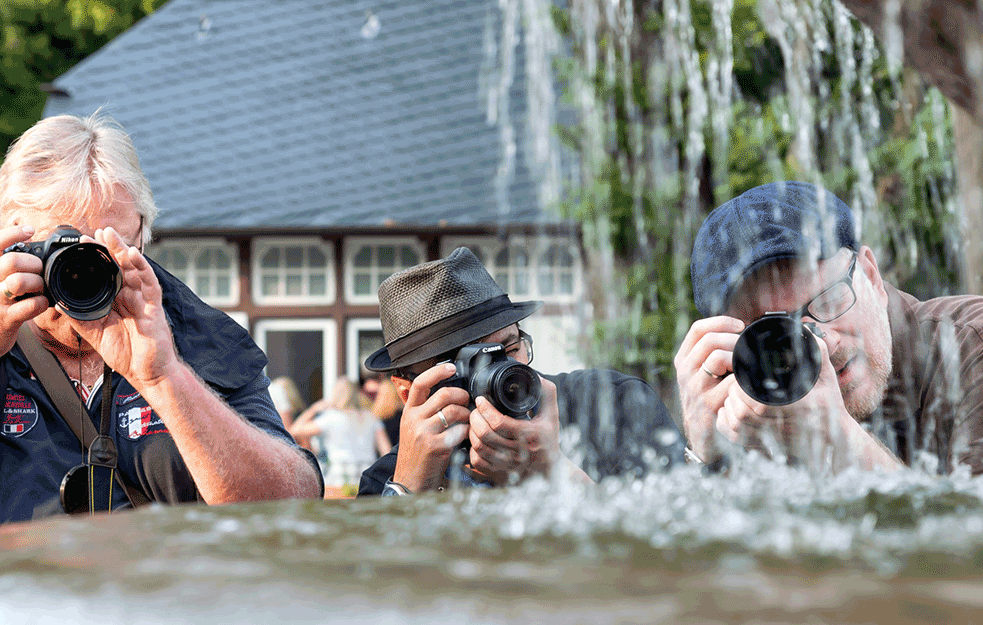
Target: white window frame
{"type": "Point", "coordinates": [192, 248]}
{"type": "Point", "coordinates": [261, 245]}
{"type": "Point", "coordinates": [239, 317]}
{"type": "Point", "coordinates": [353, 244]}
{"type": "Point", "coordinates": [353, 365]}
{"type": "Point", "coordinates": [536, 246]}
{"type": "Point", "coordinates": [329, 336]}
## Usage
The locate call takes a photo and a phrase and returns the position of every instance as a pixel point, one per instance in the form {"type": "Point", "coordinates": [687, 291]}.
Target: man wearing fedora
{"type": "Point", "coordinates": [428, 313]}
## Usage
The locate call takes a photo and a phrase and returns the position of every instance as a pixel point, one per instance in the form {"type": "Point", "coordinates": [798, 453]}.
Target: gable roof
{"type": "Point", "coordinates": [303, 113]}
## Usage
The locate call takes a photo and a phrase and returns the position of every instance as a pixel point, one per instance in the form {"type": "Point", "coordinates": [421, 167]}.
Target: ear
{"type": "Point", "coordinates": [402, 387]}
{"type": "Point", "coordinates": [868, 264]}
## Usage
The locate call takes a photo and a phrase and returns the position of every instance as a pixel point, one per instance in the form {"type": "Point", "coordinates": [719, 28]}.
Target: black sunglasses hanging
{"type": "Point", "coordinates": [77, 490]}
{"type": "Point", "coordinates": [60, 390]}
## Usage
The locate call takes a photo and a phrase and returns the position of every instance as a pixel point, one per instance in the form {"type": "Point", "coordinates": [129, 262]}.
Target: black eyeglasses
{"type": "Point", "coordinates": [834, 302]}
{"type": "Point", "coordinates": [512, 349]}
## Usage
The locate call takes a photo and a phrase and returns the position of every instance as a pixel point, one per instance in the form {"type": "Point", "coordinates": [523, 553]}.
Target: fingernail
{"type": "Point", "coordinates": [28, 229]}
{"type": "Point", "coordinates": [450, 366]}
{"type": "Point", "coordinates": [479, 400]}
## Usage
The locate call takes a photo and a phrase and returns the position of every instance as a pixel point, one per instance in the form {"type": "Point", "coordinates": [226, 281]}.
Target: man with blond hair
{"type": "Point", "coordinates": [176, 386]}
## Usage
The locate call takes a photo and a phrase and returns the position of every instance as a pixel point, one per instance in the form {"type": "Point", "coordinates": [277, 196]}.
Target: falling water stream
{"type": "Point", "coordinates": [766, 543]}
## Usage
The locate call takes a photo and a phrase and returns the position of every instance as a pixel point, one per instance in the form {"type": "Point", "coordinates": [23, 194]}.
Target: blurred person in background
{"type": "Point", "coordinates": [346, 436]}
{"type": "Point", "coordinates": [286, 398]}
{"type": "Point", "coordinates": [370, 385]}
{"type": "Point", "coordinates": [388, 408]}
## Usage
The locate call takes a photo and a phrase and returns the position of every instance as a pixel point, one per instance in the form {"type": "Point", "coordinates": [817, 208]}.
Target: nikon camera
{"type": "Point", "coordinates": [81, 279]}
{"type": "Point", "coordinates": [776, 359]}
{"type": "Point", "coordinates": [484, 369]}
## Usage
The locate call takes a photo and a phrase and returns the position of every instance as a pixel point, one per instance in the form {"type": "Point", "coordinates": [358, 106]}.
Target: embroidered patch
{"type": "Point", "coordinates": [20, 414]}
{"type": "Point", "coordinates": [140, 421]}
{"type": "Point", "coordinates": [126, 399]}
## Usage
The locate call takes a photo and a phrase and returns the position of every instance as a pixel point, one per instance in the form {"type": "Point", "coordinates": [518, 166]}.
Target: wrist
{"type": "Point", "coordinates": [395, 489]}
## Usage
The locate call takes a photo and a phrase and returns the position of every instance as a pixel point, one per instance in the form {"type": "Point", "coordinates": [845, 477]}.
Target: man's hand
{"type": "Point", "coordinates": [703, 366]}
{"type": "Point", "coordinates": [134, 339]}
{"type": "Point", "coordinates": [425, 442]}
{"type": "Point", "coordinates": [21, 286]}
{"type": "Point", "coordinates": [502, 445]}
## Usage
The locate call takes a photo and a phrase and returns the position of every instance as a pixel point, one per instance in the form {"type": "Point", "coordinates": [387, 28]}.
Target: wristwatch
{"type": "Point", "coordinates": [394, 489]}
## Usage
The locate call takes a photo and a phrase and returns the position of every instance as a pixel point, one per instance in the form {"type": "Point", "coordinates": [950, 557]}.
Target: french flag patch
{"type": "Point", "coordinates": [139, 420]}
{"type": "Point", "coordinates": [20, 414]}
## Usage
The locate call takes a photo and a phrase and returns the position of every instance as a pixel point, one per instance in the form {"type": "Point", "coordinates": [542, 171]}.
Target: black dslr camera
{"type": "Point", "coordinates": [484, 369]}
{"type": "Point", "coordinates": [776, 359]}
{"type": "Point", "coordinates": [81, 279]}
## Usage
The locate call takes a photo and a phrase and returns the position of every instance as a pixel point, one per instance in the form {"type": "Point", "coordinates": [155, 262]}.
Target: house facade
{"type": "Point", "coordinates": [300, 152]}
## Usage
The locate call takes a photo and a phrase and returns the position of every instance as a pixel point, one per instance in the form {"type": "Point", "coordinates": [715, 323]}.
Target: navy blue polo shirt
{"type": "Point", "coordinates": [37, 447]}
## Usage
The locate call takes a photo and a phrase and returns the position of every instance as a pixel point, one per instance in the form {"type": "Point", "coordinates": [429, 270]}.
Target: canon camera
{"type": "Point", "coordinates": [776, 359]}
{"type": "Point", "coordinates": [81, 279]}
{"type": "Point", "coordinates": [484, 369]}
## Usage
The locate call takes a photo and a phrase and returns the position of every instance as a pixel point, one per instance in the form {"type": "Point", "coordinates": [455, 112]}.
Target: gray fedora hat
{"type": "Point", "coordinates": [436, 307]}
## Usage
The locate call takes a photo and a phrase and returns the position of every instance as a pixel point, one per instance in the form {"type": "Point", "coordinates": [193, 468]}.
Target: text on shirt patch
{"type": "Point", "coordinates": [140, 421]}
{"type": "Point", "coordinates": [20, 414]}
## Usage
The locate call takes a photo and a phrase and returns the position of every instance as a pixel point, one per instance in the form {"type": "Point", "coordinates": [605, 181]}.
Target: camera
{"type": "Point", "coordinates": [484, 369]}
{"type": "Point", "coordinates": [776, 359]}
{"type": "Point", "coordinates": [81, 279]}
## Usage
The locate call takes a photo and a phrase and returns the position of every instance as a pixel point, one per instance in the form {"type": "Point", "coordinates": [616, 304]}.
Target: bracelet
{"type": "Point", "coordinates": [397, 488]}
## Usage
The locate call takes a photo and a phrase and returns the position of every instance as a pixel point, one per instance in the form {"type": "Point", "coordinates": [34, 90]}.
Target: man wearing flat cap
{"type": "Point", "coordinates": [892, 375]}
{"type": "Point", "coordinates": [429, 312]}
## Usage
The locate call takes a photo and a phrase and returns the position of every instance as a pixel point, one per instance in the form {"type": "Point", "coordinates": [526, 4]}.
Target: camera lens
{"type": "Point", "coordinates": [83, 280]}
{"type": "Point", "coordinates": [512, 387]}
{"type": "Point", "coordinates": [776, 360]}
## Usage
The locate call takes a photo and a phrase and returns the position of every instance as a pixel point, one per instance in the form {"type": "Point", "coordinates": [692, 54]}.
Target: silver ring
{"type": "Point", "coordinates": [711, 373]}
{"type": "Point", "coordinates": [443, 419]}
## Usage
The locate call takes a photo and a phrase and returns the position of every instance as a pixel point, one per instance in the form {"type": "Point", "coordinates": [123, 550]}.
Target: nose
{"type": "Point", "coordinates": [831, 337]}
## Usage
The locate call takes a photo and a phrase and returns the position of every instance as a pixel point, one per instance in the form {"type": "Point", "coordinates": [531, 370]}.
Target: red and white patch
{"type": "Point", "coordinates": [140, 421]}
{"type": "Point", "coordinates": [20, 414]}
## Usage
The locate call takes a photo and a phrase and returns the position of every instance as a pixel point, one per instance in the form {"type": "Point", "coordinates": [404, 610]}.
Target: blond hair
{"type": "Point", "coordinates": [73, 166]}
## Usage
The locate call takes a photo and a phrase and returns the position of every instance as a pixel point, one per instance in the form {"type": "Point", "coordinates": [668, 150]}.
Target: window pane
{"type": "Point", "coordinates": [318, 285]}
{"type": "Point", "coordinates": [204, 259]}
{"type": "Point", "coordinates": [566, 284]}
{"type": "Point", "coordinates": [409, 257]}
{"type": "Point", "coordinates": [176, 259]}
{"type": "Point", "coordinates": [271, 259]}
{"type": "Point", "coordinates": [545, 283]}
{"type": "Point", "coordinates": [295, 285]}
{"type": "Point", "coordinates": [223, 286]}
{"type": "Point", "coordinates": [520, 258]}
{"type": "Point", "coordinates": [270, 285]}
{"type": "Point", "coordinates": [295, 257]}
{"type": "Point", "coordinates": [364, 257]}
{"type": "Point", "coordinates": [222, 260]}
{"type": "Point", "coordinates": [521, 283]}
{"type": "Point", "coordinates": [387, 256]}
{"type": "Point", "coordinates": [363, 284]}
{"type": "Point", "coordinates": [502, 279]}
{"type": "Point", "coordinates": [316, 258]}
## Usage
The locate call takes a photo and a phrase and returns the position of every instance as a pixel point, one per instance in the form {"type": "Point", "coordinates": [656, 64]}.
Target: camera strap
{"type": "Point", "coordinates": [102, 449]}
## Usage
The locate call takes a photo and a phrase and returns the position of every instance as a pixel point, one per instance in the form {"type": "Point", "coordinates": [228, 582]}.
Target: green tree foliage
{"type": "Point", "coordinates": [42, 39]}
{"type": "Point", "coordinates": [668, 134]}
